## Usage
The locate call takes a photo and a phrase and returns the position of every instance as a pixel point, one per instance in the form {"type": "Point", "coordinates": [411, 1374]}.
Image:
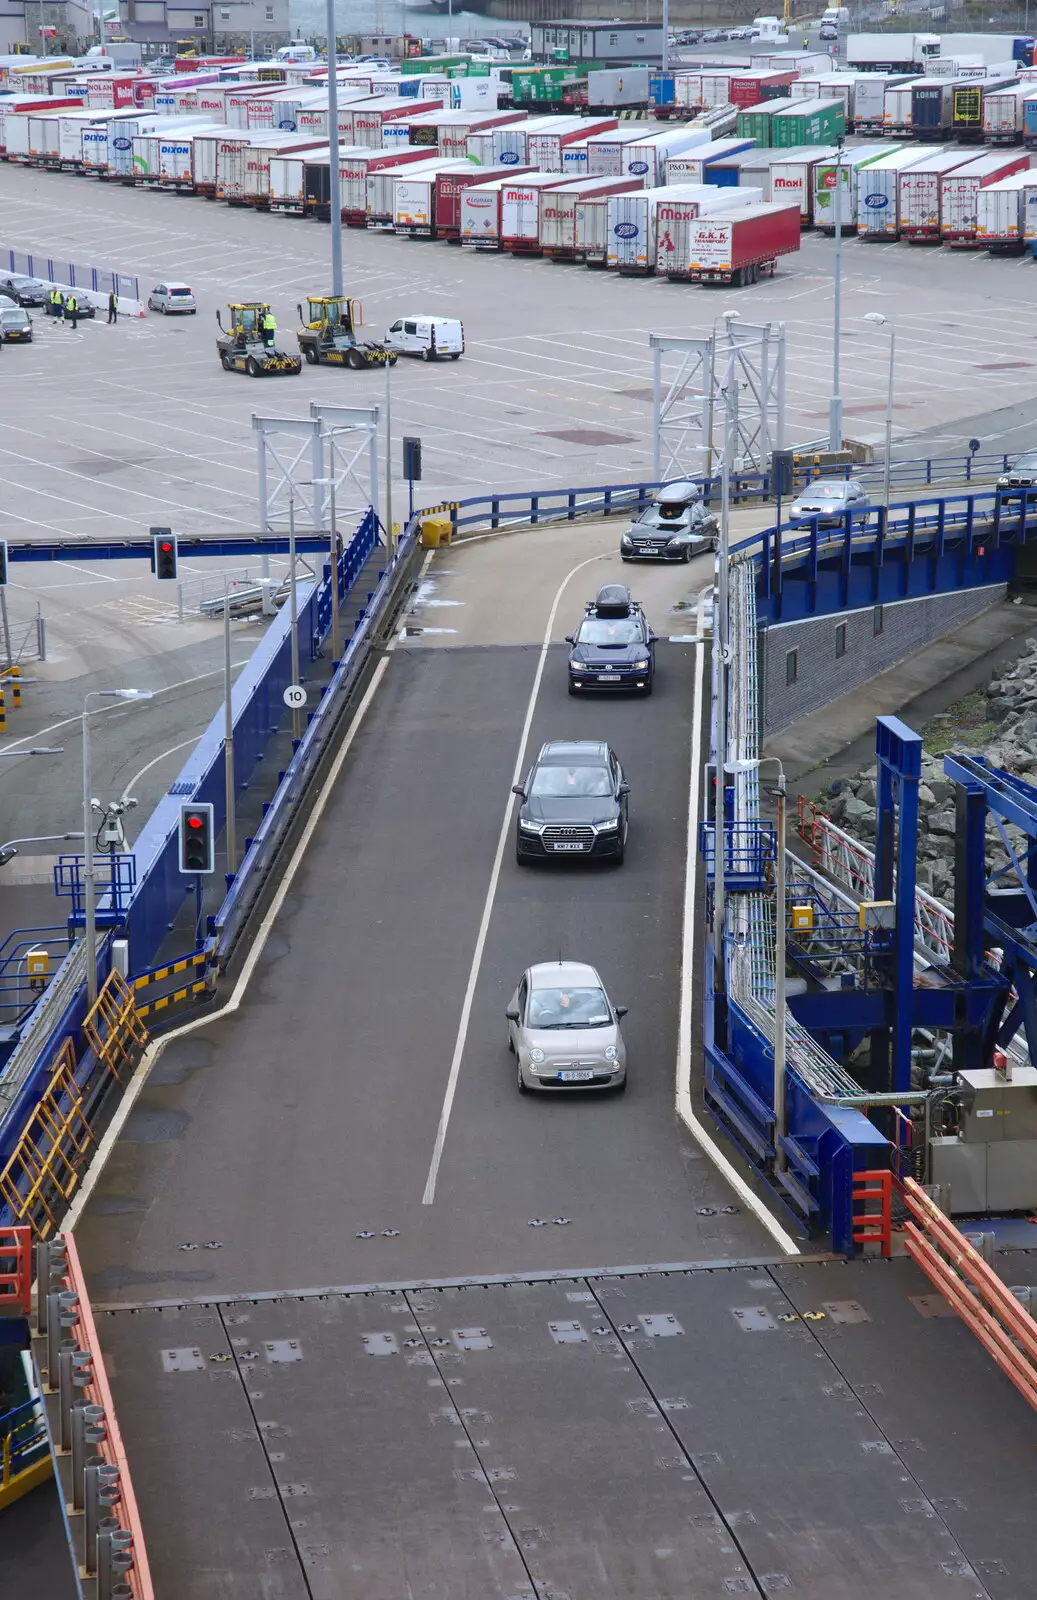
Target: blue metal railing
{"type": "Point", "coordinates": [17, 990]}
{"type": "Point", "coordinates": [23, 1441]}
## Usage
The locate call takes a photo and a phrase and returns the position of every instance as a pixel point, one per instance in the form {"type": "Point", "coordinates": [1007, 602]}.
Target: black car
{"type": "Point", "coordinates": [574, 803]}
{"type": "Point", "coordinates": [15, 325]}
{"type": "Point", "coordinates": [27, 291]}
{"type": "Point", "coordinates": [614, 647]}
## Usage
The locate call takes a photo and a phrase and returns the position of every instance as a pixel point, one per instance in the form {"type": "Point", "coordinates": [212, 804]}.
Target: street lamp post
{"type": "Point", "coordinates": [780, 920]}
{"type": "Point", "coordinates": [721, 625]}
{"type": "Point", "coordinates": [334, 169]}
{"type": "Point", "coordinates": [89, 896]}
{"type": "Point", "coordinates": [877, 320]}
{"type": "Point", "coordinates": [835, 405]}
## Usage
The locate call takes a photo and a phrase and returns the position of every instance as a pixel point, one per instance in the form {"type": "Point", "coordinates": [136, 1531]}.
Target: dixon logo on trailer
{"type": "Point", "coordinates": [626, 230]}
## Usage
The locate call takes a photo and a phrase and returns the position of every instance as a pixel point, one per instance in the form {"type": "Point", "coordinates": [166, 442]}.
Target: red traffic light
{"type": "Point", "coordinates": [195, 822]}
{"type": "Point", "coordinates": [165, 547]}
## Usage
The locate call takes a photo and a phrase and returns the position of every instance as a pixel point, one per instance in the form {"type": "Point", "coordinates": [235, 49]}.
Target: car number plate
{"type": "Point", "coordinates": [575, 1077]}
{"type": "Point", "coordinates": [605, 677]}
{"type": "Point", "coordinates": [569, 846]}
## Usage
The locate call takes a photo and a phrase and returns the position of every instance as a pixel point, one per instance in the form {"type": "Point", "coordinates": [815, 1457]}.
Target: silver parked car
{"type": "Point", "coordinates": [828, 499]}
{"type": "Point", "coordinates": [1022, 474]}
{"type": "Point", "coordinates": [564, 1030]}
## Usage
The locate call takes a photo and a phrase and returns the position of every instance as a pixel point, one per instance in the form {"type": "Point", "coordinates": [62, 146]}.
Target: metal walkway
{"type": "Point", "coordinates": [824, 1429]}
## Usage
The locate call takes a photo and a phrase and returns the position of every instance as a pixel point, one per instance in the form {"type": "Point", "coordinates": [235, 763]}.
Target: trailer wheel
{"type": "Point", "coordinates": [311, 355]}
{"type": "Point", "coordinates": [738, 277]}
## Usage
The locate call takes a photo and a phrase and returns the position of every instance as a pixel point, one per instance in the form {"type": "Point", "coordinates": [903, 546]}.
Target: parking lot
{"type": "Point", "coordinates": [116, 428]}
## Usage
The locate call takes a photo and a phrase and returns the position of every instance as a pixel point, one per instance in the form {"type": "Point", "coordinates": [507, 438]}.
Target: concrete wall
{"type": "Point", "coordinates": [828, 664]}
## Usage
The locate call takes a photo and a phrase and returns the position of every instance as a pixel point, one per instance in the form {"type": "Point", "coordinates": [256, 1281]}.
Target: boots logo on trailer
{"type": "Point", "coordinates": [638, 167]}
{"type": "Point", "coordinates": [626, 230]}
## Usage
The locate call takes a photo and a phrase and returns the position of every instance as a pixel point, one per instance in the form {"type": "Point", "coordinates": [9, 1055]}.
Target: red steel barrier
{"type": "Point", "coordinates": [16, 1281]}
{"type": "Point", "coordinates": [986, 1306]}
{"type": "Point", "coordinates": [873, 1227]}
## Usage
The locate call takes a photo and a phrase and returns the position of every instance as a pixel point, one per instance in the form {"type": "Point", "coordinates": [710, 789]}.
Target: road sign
{"type": "Point", "coordinates": [294, 697]}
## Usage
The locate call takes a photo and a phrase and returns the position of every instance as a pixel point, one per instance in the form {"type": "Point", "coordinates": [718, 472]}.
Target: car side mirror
{"type": "Point", "coordinates": [570, 638]}
{"type": "Point", "coordinates": [517, 788]}
{"type": "Point", "coordinates": [620, 1011]}
{"type": "Point", "coordinates": [512, 1013]}
{"type": "Point", "coordinates": [624, 788]}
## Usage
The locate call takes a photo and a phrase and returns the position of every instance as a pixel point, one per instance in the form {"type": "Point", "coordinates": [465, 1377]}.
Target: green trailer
{"type": "Point", "coordinates": [453, 66]}
{"type": "Point", "coordinates": [808, 122]}
{"type": "Point", "coordinates": [755, 122]}
{"type": "Point", "coordinates": [542, 86]}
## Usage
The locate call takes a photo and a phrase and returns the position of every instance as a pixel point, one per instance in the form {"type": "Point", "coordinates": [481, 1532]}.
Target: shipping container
{"type": "Point", "coordinates": [542, 86]}
{"type": "Point", "coordinates": [920, 195]}
{"type": "Point", "coordinates": [616, 88]}
{"type": "Point", "coordinates": [412, 196]}
{"type": "Point", "coordinates": [636, 221]}
{"type": "Point", "coordinates": [696, 165]}
{"type": "Point", "coordinates": [898, 105]}
{"type": "Point", "coordinates": [605, 153]}
{"type": "Point", "coordinates": [449, 188]}
{"type": "Point", "coordinates": [792, 179]}
{"type": "Point", "coordinates": [828, 86]}
{"type": "Point", "coordinates": [878, 191]}
{"type": "Point", "coordinates": [869, 98]}
{"type": "Point", "coordinates": [960, 188]}
{"type": "Point", "coordinates": [1004, 113]}
{"type": "Point", "coordinates": [645, 158]}
{"type": "Point", "coordinates": [520, 209]}
{"type": "Point", "coordinates": [829, 175]}
{"type": "Point", "coordinates": [741, 247]}
{"type": "Point", "coordinates": [1000, 211]}
{"type": "Point", "coordinates": [557, 213]}
{"type": "Point", "coordinates": [932, 108]}
{"type": "Point", "coordinates": [969, 99]}
{"type": "Point", "coordinates": [808, 122]}
{"type": "Point", "coordinates": [754, 88]}
{"type": "Point", "coordinates": [754, 122]}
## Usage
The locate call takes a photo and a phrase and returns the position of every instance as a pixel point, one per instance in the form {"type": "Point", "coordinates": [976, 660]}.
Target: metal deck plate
{"type": "Point", "coordinates": [483, 1440]}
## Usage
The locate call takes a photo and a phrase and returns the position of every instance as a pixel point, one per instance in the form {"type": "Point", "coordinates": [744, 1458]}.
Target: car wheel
{"type": "Point", "coordinates": [252, 367]}
{"type": "Point", "coordinates": [456, 357]}
{"type": "Point", "coordinates": [686, 554]}
{"type": "Point", "coordinates": [520, 1082]}
{"type": "Point", "coordinates": [355, 360]}
{"type": "Point", "coordinates": [226, 362]}
{"type": "Point", "coordinates": [311, 355]}
{"type": "Point", "coordinates": [426, 355]}
{"type": "Point", "coordinates": [163, 309]}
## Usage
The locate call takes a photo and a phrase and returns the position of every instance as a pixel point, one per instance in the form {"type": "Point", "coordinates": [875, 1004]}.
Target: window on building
{"type": "Point", "coordinates": [199, 22]}
{"type": "Point", "coordinates": [840, 639]}
{"type": "Point", "coordinates": [791, 667]}
{"type": "Point", "coordinates": [613, 38]}
{"type": "Point", "coordinates": [225, 14]}
{"type": "Point", "coordinates": [877, 621]}
{"type": "Point", "coordinates": [270, 13]}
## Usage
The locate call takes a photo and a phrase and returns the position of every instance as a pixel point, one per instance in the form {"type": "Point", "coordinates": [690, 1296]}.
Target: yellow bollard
{"type": "Point", "coordinates": [16, 673]}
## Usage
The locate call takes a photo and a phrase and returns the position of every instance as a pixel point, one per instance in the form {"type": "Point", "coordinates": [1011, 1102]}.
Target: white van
{"type": "Point", "coordinates": [427, 337]}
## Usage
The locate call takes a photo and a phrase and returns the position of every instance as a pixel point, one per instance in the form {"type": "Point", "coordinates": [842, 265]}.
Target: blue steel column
{"type": "Point", "coordinates": [904, 940]}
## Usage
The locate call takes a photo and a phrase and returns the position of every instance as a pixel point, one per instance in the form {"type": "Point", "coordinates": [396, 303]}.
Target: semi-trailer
{"type": "Point", "coordinates": [411, 199]}
{"type": "Point", "coordinates": [636, 221]}
{"type": "Point", "coordinates": [450, 187]}
{"type": "Point", "coordinates": [674, 216]}
{"type": "Point", "coordinates": [878, 191]}
{"type": "Point", "coordinates": [960, 191]}
{"type": "Point", "coordinates": [556, 232]}
{"type": "Point", "coordinates": [740, 248]}
{"type": "Point", "coordinates": [844, 172]}
{"type": "Point", "coordinates": [808, 122]}
{"type": "Point", "coordinates": [792, 179]}
{"type": "Point", "coordinates": [645, 158]}
{"type": "Point", "coordinates": [921, 195]}
{"type": "Point", "coordinates": [891, 52]}
{"type": "Point", "coordinates": [1004, 113]}
{"type": "Point", "coordinates": [969, 100]}
{"type": "Point", "coordinates": [1000, 212]}
{"type": "Point", "coordinates": [696, 165]}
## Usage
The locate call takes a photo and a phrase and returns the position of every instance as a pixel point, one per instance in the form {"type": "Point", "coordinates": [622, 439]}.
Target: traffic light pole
{"type": "Point", "coordinates": [89, 907]}
{"type": "Point", "coordinates": [334, 171]}
{"type": "Point", "coordinates": [294, 603]}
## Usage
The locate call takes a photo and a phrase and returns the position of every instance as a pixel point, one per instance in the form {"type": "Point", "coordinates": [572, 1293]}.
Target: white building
{"type": "Point", "coordinates": [221, 26]}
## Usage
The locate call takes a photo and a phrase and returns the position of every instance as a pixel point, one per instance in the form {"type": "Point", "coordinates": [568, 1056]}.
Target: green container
{"type": "Point", "coordinates": [533, 86]}
{"type": "Point", "coordinates": [755, 122]}
{"type": "Point", "coordinates": [421, 64]}
{"type": "Point", "coordinates": [808, 122]}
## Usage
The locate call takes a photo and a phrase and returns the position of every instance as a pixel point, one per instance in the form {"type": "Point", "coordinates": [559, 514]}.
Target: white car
{"type": "Point", "coordinates": [829, 500]}
{"type": "Point", "coordinates": [427, 336]}
{"type": "Point", "coordinates": [172, 298]}
{"type": "Point", "coordinates": [564, 1030]}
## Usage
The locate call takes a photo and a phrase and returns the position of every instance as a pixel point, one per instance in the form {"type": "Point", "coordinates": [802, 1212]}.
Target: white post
{"type": "Point", "coordinates": [294, 604]}
{"type": "Point", "coordinates": [90, 926]}
{"type": "Point", "coordinates": [335, 650]}
{"type": "Point", "coordinates": [334, 170]}
{"type": "Point", "coordinates": [388, 466]}
{"type": "Point", "coordinates": [835, 405]}
{"type": "Point", "coordinates": [228, 737]}
{"type": "Point", "coordinates": [889, 418]}
{"type": "Point", "coordinates": [720, 635]}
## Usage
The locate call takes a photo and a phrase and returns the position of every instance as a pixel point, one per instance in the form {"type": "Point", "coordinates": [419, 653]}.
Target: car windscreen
{"type": "Point", "coordinates": [1026, 463]}
{"type": "Point", "coordinates": [14, 318]}
{"type": "Point", "coordinates": [549, 782]}
{"type": "Point", "coordinates": [672, 510]}
{"type": "Point", "coordinates": [604, 630]}
{"type": "Point", "coordinates": [568, 1008]}
{"type": "Point", "coordinates": [827, 491]}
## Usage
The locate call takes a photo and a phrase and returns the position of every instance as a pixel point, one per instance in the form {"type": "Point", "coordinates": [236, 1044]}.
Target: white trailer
{"type": "Point", "coordinates": [591, 227]}
{"type": "Point", "coordinates": [897, 103]}
{"type": "Point", "coordinates": [691, 166]}
{"type": "Point", "coordinates": [544, 145]}
{"type": "Point", "coordinates": [878, 191]}
{"type": "Point", "coordinates": [288, 177]}
{"type": "Point", "coordinates": [892, 51]}
{"type": "Point", "coordinates": [828, 175]}
{"type": "Point", "coordinates": [557, 224]}
{"type": "Point", "coordinates": [520, 209]}
{"type": "Point", "coordinates": [1000, 212]}
{"type": "Point", "coordinates": [1004, 113]}
{"type": "Point", "coordinates": [920, 195]}
{"type": "Point", "coordinates": [480, 215]}
{"type": "Point", "coordinates": [414, 194]}
{"type": "Point", "coordinates": [255, 185]}
{"type": "Point", "coordinates": [605, 151]}
{"type": "Point", "coordinates": [792, 178]}
{"type": "Point", "coordinates": [176, 157]}
{"type": "Point", "coordinates": [646, 158]}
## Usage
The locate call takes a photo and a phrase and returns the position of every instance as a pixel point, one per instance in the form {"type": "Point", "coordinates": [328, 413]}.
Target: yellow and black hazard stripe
{"type": "Point", "coordinates": [167, 1000]}
{"type": "Point", "coordinates": [195, 959]}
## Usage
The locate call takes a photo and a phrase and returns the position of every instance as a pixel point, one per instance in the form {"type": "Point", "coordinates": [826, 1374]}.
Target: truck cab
{"type": "Point", "coordinates": [674, 527]}
{"type": "Point", "coordinates": [329, 334]}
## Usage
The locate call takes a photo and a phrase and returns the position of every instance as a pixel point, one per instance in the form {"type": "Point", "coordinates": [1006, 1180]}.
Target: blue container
{"type": "Point", "coordinates": [1022, 51]}
{"type": "Point", "coordinates": [660, 89]}
{"type": "Point", "coordinates": [1030, 122]}
{"type": "Point", "coordinates": [932, 110]}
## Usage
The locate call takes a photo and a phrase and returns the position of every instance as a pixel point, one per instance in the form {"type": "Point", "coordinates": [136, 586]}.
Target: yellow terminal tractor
{"type": "Point", "coordinates": [248, 346]}
{"type": "Point", "coordinates": [329, 335]}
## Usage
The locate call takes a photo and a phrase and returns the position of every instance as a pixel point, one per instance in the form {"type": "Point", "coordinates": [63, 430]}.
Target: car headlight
{"type": "Point", "coordinates": [606, 827]}
{"type": "Point", "coordinates": [626, 543]}
{"type": "Point", "coordinates": [610, 1052]}
{"type": "Point", "coordinates": [529, 827]}
{"type": "Point", "coordinates": [675, 543]}
{"type": "Point", "coordinates": [577, 666]}
{"type": "Point", "coordinates": [640, 666]}
{"type": "Point", "coordinates": [536, 1055]}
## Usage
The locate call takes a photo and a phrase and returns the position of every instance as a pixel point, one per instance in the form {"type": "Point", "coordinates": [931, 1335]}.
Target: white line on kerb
{"type": "Point", "coordinates": [685, 1110]}
{"type": "Point", "coordinates": [155, 1048]}
{"type": "Point", "coordinates": [484, 925]}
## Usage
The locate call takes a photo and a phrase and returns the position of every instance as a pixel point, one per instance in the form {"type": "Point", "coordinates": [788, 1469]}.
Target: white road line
{"type": "Point", "coordinates": [128, 787]}
{"type": "Point", "coordinates": [689, 957]}
{"type": "Point", "coordinates": [155, 1048]}
{"type": "Point", "coordinates": [484, 925]}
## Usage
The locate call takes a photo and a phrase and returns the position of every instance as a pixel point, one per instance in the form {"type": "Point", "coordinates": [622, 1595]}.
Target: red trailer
{"type": "Point", "coordinates": [449, 188]}
{"type": "Point", "coordinates": [557, 220]}
{"type": "Point", "coordinates": [755, 87]}
{"type": "Point", "coordinates": [369, 119]}
{"type": "Point", "coordinates": [739, 248]}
